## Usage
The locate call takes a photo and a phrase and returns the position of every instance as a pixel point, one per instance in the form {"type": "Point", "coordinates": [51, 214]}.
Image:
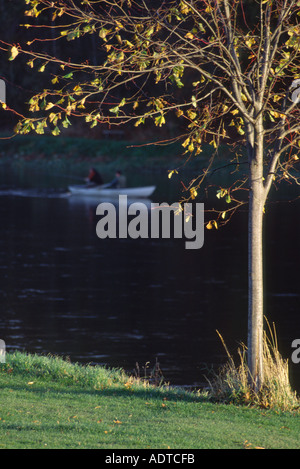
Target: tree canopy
{"type": "Point", "coordinates": [212, 64]}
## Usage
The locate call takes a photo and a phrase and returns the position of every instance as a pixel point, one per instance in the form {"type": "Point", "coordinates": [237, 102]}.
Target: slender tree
{"type": "Point", "coordinates": [228, 69]}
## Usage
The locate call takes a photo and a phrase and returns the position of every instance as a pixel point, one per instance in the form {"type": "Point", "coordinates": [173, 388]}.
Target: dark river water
{"type": "Point", "coordinates": [121, 301]}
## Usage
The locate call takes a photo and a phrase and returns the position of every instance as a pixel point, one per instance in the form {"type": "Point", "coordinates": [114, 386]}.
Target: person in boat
{"type": "Point", "coordinates": [94, 178]}
{"type": "Point", "coordinates": [118, 182]}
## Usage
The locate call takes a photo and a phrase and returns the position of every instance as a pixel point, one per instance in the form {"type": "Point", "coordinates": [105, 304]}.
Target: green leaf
{"type": "Point", "coordinates": [68, 76]}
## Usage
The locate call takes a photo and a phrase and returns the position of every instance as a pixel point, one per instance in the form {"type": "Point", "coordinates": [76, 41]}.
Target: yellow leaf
{"type": "Point", "coordinates": [191, 147]}
{"type": "Point", "coordinates": [249, 42]}
{"type": "Point", "coordinates": [119, 25]}
{"type": "Point", "coordinates": [213, 143]}
{"type": "Point", "coordinates": [172, 172]}
{"type": "Point", "coordinates": [189, 36]}
{"type": "Point", "coordinates": [275, 114]}
{"type": "Point", "coordinates": [234, 112]}
{"type": "Point", "coordinates": [184, 8]}
{"type": "Point", "coordinates": [193, 192]}
{"type": "Point", "coordinates": [186, 142]}
{"type": "Point", "coordinates": [211, 224]}
{"type": "Point", "coordinates": [49, 106]}
{"type": "Point", "coordinates": [42, 68]}
{"type": "Point", "coordinates": [14, 52]}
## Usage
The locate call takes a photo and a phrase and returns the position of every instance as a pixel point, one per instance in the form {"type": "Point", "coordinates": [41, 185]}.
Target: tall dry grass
{"type": "Point", "coordinates": [233, 382]}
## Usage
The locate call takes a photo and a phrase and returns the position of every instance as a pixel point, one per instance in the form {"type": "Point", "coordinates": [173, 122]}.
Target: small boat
{"type": "Point", "coordinates": [131, 192]}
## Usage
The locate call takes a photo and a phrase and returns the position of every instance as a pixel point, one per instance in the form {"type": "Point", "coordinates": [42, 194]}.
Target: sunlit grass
{"type": "Point", "coordinates": [48, 402]}
{"type": "Point", "coordinates": [63, 371]}
{"type": "Point", "coordinates": [233, 381]}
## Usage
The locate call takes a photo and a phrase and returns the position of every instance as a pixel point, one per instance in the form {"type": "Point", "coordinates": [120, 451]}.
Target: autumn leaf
{"type": "Point", "coordinates": [49, 106]}
{"type": "Point", "coordinates": [160, 120]}
{"type": "Point", "coordinates": [211, 224]}
{"type": "Point", "coordinates": [193, 193]}
{"type": "Point", "coordinates": [14, 52]}
{"type": "Point", "coordinates": [186, 142]}
{"type": "Point", "coordinates": [172, 172]}
{"type": "Point", "coordinates": [56, 131]}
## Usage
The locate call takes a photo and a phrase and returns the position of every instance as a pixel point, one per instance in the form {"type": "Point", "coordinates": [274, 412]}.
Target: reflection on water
{"type": "Point", "coordinates": [118, 302]}
{"type": "Point", "coordinates": [34, 193]}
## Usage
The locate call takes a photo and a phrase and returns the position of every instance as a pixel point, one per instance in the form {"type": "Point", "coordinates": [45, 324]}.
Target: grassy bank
{"type": "Point", "coordinates": [51, 403]}
{"type": "Point", "coordinates": [109, 153]}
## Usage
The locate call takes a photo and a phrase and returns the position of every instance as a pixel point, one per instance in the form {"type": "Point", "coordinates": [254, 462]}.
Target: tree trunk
{"type": "Point", "coordinates": [255, 264]}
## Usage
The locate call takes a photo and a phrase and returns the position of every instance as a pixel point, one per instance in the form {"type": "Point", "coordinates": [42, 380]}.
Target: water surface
{"type": "Point", "coordinates": [117, 302]}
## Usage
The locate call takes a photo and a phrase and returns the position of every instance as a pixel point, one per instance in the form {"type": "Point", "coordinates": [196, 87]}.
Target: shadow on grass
{"type": "Point", "coordinates": [158, 393]}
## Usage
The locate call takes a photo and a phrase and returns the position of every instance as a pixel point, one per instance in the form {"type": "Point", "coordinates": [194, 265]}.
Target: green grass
{"type": "Point", "coordinates": [108, 153]}
{"type": "Point", "coordinates": [47, 402]}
